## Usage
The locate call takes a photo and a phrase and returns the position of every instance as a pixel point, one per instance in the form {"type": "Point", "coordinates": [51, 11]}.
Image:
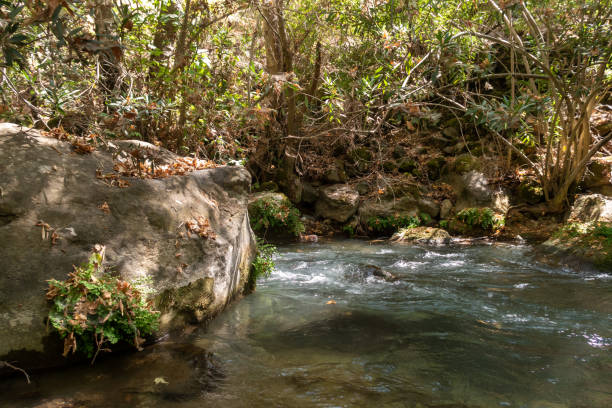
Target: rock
{"type": "Point", "coordinates": [336, 174]}
{"type": "Point", "coordinates": [398, 152]}
{"type": "Point", "coordinates": [465, 163]}
{"type": "Point", "coordinates": [473, 191]}
{"type": "Point", "coordinates": [310, 193]}
{"type": "Point", "coordinates": [408, 165]}
{"type": "Point", "coordinates": [272, 196]}
{"type": "Point", "coordinates": [434, 167]}
{"type": "Point", "coordinates": [406, 206]}
{"type": "Point", "coordinates": [598, 177]}
{"type": "Point", "coordinates": [422, 235]}
{"type": "Point", "coordinates": [429, 207]}
{"type": "Point", "coordinates": [451, 132]}
{"type": "Point", "coordinates": [389, 166]}
{"type": "Point", "coordinates": [363, 188]}
{"type": "Point", "coordinates": [337, 202]}
{"type": "Point", "coordinates": [591, 208]}
{"type": "Point", "coordinates": [362, 272]}
{"type": "Point", "coordinates": [143, 229]}
{"type": "Point", "coordinates": [445, 209]}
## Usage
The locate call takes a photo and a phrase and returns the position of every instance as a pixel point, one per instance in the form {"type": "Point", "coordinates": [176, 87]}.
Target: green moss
{"type": "Point", "coordinates": [466, 163]}
{"type": "Point", "coordinates": [592, 241]}
{"type": "Point", "coordinates": [268, 214]}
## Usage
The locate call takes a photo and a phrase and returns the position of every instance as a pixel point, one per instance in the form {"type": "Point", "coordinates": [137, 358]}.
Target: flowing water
{"type": "Point", "coordinates": [476, 326]}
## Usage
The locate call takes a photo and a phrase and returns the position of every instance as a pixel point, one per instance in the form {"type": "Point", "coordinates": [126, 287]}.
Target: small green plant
{"type": "Point", "coordinates": [269, 214]}
{"type": "Point", "coordinates": [349, 229]}
{"type": "Point", "coordinates": [263, 265]}
{"type": "Point", "coordinates": [484, 218]}
{"type": "Point", "coordinates": [93, 309]}
{"type": "Point", "coordinates": [392, 223]}
{"type": "Point", "coordinates": [444, 224]}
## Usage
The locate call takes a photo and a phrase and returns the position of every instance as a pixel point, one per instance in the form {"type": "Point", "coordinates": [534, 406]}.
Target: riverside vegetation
{"type": "Point", "coordinates": [484, 117]}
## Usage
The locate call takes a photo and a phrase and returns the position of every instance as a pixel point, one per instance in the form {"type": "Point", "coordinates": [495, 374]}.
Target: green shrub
{"type": "Point", "coordinates": [269, 214]}
{"type": "Point", "coordinates": [483, 218]}
{"type": "Point", "coordinates": [392, 223]}
{"type": "Point", "coordinates": [263, 265]}
{"type": "Point", "coordinates": [92, 309]}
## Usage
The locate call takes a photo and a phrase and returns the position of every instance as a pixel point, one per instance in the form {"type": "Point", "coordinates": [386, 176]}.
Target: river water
{"type": "Point", "coordinates": [473, 326]}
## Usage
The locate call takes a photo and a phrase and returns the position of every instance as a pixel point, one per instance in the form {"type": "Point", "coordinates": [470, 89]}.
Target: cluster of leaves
{"type": "Point", "coordinates": [92, 309]}
{"type": "Point", "coordinates": [395, 222]}
{"type": "Point", "coordinates": [484, 218]}
{"type": "Point", "coordinates": [263, 265]}
{"type": "Point", "coordinates": [272, 215]}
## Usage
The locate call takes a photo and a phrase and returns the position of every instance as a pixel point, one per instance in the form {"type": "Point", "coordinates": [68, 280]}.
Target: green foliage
{"type": "Point", "coordinates": [444, 224]}
{"type": "Point", "coordinates": [263, 265]}
{"type": "Point", "coordinates": [268, 214]}
{"type": "Point", "coordinates": [393, 223]}
{"type": "Point", "coordinates": [484, 218]}
{"type": "Point", "coordinates": [590, 240]}
{"type": "Point", "coordinates": [93, 308]}
{"type": "Point", "coordinates": [349, 229]}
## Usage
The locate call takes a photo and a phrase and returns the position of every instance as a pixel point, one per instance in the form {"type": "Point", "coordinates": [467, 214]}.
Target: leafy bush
{"type": "Point", "coordinates": [483, 218]}
{"type": "Point", "coordinates": [93, 308]}
{"type": "Point", "coordinates": [263, 265]}
{"type": "Point", "coordinates": [393, 222]}
{"type": "Point", "coordinates": [269, 214]}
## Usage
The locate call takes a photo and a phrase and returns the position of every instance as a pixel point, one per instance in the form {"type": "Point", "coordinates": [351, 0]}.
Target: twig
{"type": "Point", "coordinates": [9, 365]}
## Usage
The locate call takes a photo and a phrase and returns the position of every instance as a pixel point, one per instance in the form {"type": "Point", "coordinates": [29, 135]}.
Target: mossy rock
{"type": "Point", "coordinates": [588, 241]}
{"type": "Point", "coordinates": [408, 165]}
{"type": "Point", "coordinates": [389, 166]}
{"type": "Point", "coordinates": [434, 167]}
{"type": "Point", "coordinates": [466, 163]}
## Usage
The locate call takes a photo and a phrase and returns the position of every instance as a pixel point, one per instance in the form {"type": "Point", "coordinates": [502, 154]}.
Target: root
{"type": "Point", "coordinates": [9, 365]}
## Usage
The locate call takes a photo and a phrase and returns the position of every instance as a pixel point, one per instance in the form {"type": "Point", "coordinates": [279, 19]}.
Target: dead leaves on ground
{"type": "Point", "coordinates": [104, 207]}
{"type": "Point", "coordinates": [146, 168]}
{"type": "Point", "coordinates": [81, 145]}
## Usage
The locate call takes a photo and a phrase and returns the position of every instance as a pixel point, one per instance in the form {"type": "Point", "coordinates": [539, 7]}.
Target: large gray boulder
{"type": "Point", "coordinates": [337, 202]}
{"type": "Point", "coordinates": [474, 191]}
{"type": "Point", "coordinates": [591, 208]}
{"type": "Point", "coordinates": [143, 226]}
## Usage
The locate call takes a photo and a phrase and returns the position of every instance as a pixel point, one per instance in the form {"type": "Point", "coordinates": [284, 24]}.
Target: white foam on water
{"type": "Point", "coordinates": [521, 285]}
{"type": "Point", "coordinates": [408, 264]}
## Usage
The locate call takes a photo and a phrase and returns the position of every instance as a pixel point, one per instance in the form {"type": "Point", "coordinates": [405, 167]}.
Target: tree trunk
{"type": "Point", "coordinates": [164, 35]}
{"type": "Point", "coordinates": [110, 54]}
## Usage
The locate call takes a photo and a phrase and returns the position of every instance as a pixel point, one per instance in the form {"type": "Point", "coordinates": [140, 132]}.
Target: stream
{"type": "Point", "coordinates": [462, 326]}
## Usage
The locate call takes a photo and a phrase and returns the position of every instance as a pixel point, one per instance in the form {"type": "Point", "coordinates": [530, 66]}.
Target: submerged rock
{"type": "Point", "coordinates": [362, 272]}
{"type": "Point", "coordinates": [194, 272]}
{"type": "Point", "coordinates": [422, 235]}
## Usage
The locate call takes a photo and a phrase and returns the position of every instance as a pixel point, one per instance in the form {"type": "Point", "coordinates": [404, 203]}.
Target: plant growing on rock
{"type": "Point", "coordinates": [393, 222]}
{"type": "Point", "coordinates": [483, 218]}
{"type": "Point", "coordinates": [93, 309]}
{"type": "Point", "coordinates": [269, 214]}
{"type": "Point", "coordinates": [263, 265]}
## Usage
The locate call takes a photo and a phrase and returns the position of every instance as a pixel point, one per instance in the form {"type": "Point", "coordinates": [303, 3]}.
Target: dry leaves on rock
{"type": "Point", "coordinates": [137, 166]}
{"type": "Point", "coordinates": [201, 227]}
{"type": "Point", "coordinates": [48, 232]}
